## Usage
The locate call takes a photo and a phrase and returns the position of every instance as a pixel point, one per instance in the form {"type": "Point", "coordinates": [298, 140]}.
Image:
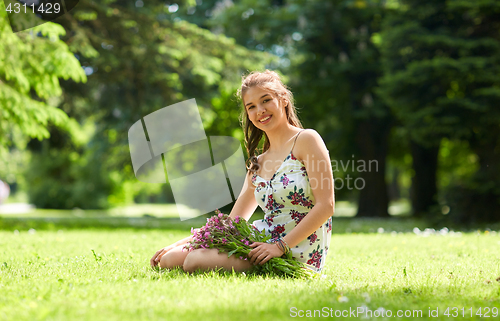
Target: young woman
{"type": "Point", "coordinates": [291, 181]}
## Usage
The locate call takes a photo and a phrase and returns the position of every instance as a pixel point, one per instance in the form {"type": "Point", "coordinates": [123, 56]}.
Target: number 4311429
{"type": "Point", "coordinates": [42, 8]}
{"type": "Point", "coordinates": [486, 312]}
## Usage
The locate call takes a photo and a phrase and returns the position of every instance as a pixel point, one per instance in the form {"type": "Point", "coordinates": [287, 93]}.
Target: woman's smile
{"type": "Point", "coordinates": [265, 119]}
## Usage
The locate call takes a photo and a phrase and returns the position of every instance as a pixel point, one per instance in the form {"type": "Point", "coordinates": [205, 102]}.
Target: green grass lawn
{"type": "Point", "coordinates": [51, 273]}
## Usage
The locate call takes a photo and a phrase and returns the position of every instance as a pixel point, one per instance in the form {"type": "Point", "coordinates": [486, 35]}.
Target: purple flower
{"type": "Point", "coordinates": [227, 235]}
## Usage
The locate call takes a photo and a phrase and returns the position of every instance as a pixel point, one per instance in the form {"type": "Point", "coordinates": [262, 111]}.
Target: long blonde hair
{"type": "Point", "coordinates": [271, 81]}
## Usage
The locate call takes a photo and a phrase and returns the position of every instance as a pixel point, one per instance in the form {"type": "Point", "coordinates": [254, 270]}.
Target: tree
{"type": "Point", "coordinates": [138, 59]}
{"type": "Point", "coordinates": [326, 52]}
{"type": "Point", "coordinates": [441, 62]}
{"type": "Point", "coordinates": [338, 79]}
{"type": "Point", "coordinates": [31, 63]}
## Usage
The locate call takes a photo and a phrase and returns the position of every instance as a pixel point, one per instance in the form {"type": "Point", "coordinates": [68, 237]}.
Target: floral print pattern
{"type": "Point", "coordinates": [298, 197]}
{"type": "Point", "coordinates": [277, 231]}
{"type": "Point", "coordinates": [297, 216]}
{"type": "Point", "coordinates": [315, 257]}
{"type": "Point", "coordinates": [284, 179]}
{"type": "Point", "coordinates": [312, 238]}
{"type": "Point", "coordinates": [272, 205]}
{"type": "Point", "coordinates": [269, 220]}
{"type": "Point", "coordinates": [286, 199]}
{"type": "Point", "coordinates": [260, 186]}
{"type": "Point", "coordinates": [329, 225]}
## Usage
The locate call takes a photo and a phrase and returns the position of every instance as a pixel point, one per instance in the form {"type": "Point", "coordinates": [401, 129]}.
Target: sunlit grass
{"type": "Point", "coordinates": [55, 275]}
{"type": "Point", "coordinates": [87, 265]}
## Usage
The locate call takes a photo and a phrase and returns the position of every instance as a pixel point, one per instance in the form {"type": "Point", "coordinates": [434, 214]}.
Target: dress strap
{"type": "Point", "coordinates": [295, 140]}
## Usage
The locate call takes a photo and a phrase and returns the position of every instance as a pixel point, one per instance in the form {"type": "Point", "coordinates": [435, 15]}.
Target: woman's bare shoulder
{"type": "Point", "coordinates": [310, 136]}
{"type": "Point", "coordinates": [309, 142]}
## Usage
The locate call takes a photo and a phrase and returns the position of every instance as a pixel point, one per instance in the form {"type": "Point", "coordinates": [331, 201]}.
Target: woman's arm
{"type": "Point", "coordinates": [245, 204]}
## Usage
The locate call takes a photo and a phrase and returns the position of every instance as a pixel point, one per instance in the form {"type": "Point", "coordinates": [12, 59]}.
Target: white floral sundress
{"type": "Point", "coordinates": [286, 199]}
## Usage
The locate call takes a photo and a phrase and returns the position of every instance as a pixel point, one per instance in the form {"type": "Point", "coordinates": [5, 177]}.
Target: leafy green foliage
{"type": "Point", "coordinates": [441, 79]}
{"type": "Point", "coordinates": [326, 53]}
{"type": "Point", "coordinates": [31, 63]}
{"type": "Point", "coordinates": [138, 60]}
{"type": "Point", "coordinates": [374, 78]}
{"type": "Point", "coordinates": [442, 67]}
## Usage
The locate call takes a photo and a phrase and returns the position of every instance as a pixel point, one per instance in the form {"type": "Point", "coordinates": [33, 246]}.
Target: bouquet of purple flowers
{"type": "Point", "coordinates": [234, 238]}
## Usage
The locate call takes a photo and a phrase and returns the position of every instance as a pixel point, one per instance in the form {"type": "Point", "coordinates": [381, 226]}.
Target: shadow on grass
{"type": "Point", "coordinates": [175, 273]}
{"type": "Point", "coordinates": [56, 223]}
{"type": "Point", "coordinates": [340, 224]}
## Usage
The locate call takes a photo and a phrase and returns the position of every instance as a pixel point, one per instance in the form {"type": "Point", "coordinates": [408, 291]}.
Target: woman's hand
{"type": "Point", "coordinates": [158, 255]}
{"type": "Point", "coordinates": [263, 252]}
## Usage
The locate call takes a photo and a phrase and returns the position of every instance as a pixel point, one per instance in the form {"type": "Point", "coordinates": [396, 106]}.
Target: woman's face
{"type": "Point", "coordinates": [264, 109]}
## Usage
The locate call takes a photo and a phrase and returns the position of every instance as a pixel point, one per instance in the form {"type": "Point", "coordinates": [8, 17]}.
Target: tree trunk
{"type": "Point", "coordinates": [393, 189]}
{"type": "Point", "coordinates": [372, 139]}
{"type": "Point", "coordinates": [479, 200]}
{"type": "Point", "coordinates": [424, 189]}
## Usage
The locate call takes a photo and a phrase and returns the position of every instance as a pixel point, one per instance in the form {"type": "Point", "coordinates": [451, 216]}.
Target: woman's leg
{"type": "Point", "coordinates": [173, 258]}
{"type": "Point", "coordinates": [209, 259]}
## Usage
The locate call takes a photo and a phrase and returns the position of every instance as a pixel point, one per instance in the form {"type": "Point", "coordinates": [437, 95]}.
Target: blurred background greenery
{"type": "Point", "coordinates": [414, 85]}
